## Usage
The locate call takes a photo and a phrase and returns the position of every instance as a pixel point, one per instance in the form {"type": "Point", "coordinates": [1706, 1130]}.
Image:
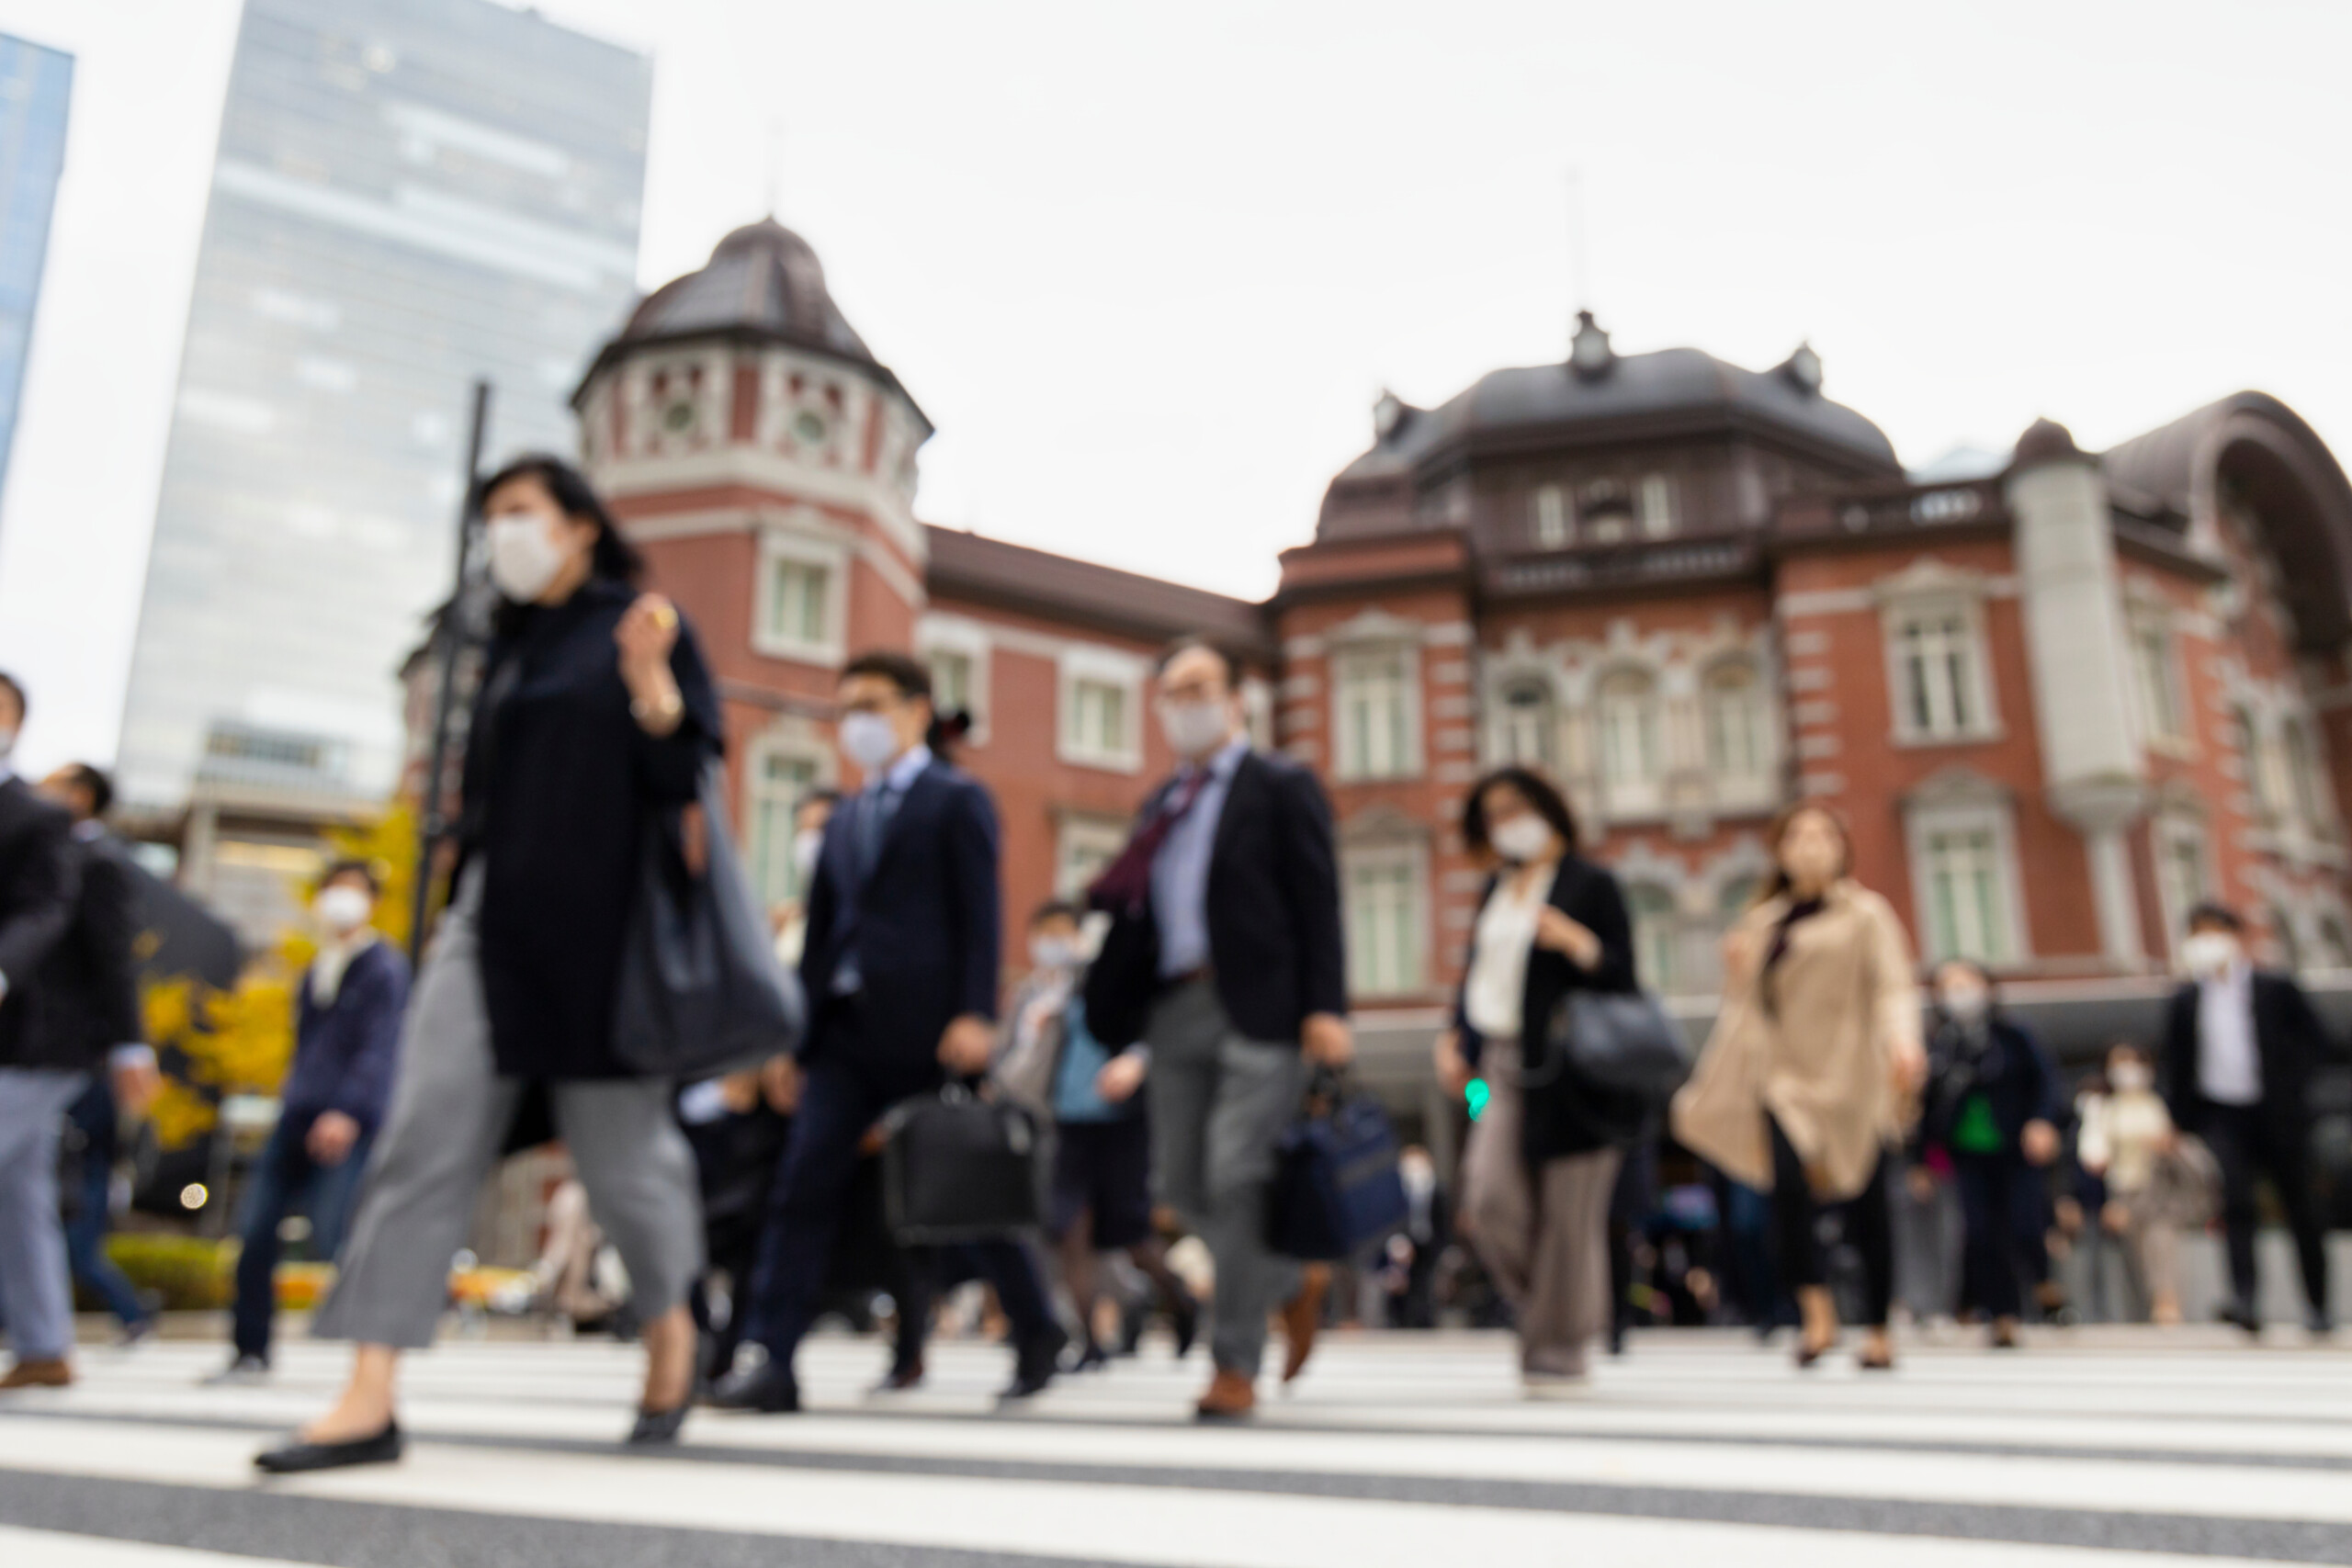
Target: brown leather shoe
{"type": "Point", "coordinates": [1231, 1397]}
{"type": "Point", "coordinates": [38, 1374]}
{"type": "Point", "coordinates": [1303, 1317]}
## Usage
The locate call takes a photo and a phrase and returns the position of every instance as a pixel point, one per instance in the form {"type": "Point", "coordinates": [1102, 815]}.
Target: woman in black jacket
{"type": "Point", "coordinates": [1992, 1103]}
{"type": "Point", "coordinates": [1543, 1153]}
{"type": "Point", "coordinates": [595, 713]}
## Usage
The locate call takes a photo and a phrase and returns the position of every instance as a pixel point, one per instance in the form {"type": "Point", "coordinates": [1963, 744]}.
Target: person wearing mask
{"type": "Point", "coordinates": [348, 1015]}
{"type": "Point", "coordinates": [901, 967]}
{"type": "Point", "coordinates": [45, 1061]}
{"type": "Point", "coordinates": [1223, 955]}
{"type": "Point", "coordinates": [1543, 1158]}
{"type": "Point", "coordinates": [2128, 1143]}
{"type": "Point", "coordinates": [809, 819]}
{"type": "Point", "coordinates": [93, 974]}
{"type": "Point", "coordinates": [595, 712]}
{"type": "Point", "coordinates": [1101, 1198]}
{"type": "Point", "coordinates": [1992, 1106]}
{"type": "Point", "coordinates": [1806, 1080]}
{"type": "Point", "coordinates": [2241, 1045]}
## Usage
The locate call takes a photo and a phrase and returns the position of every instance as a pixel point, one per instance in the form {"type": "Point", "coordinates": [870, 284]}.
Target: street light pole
{"type": "Point", "coordinates": [435, 824]}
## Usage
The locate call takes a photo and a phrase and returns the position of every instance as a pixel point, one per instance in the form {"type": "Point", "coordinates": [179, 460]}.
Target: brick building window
{"type": "Point", "coordinates": [1082, 846]}
{"type": "Point", "coordinates": [1738, 751]}
{"type": "Point", "coordinates": [2305, 778]}
{"type": "Point", "coordinates": [1523, 728]}
{"type": "Point", "coordinates": [1094, 722]}
{"type": "Point", "coordinates": [1657, 940]}
{"type": "Point", "coordinates": [2254, 756]}
{"type": "Point", "coordinates": [1551, 513]}
{"type": "Point", "coordinates": [798, 609]}
{"type": "Point", "coordinates": [1962, 869]}
{"type": "Point", "coordinates": [1376, 714]}
{"type": "Point", "coordinates": [2181, 880]}
{"type": "Point", "coordinates": [1385, 921]}
{"type": "Point", "coordinates": [2156, 673]}
{"type": "Point", "coordinates": [951, 678]}
{"type": "Point", "coordinates": [1937, 658]}
{"type": "Point", "coordinates": [778, 777]}
{"type": "Point", "coordinates": [2334, 946]}
{"type": "Point", "coordinates": [796, 604]}
{"type": "Point", "coordinates": [1630, 763]}
{"type": "Point", "coordinates": [1655, 504]}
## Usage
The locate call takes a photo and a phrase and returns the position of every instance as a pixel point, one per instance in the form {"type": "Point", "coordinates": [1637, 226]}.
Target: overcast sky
{"type": "Point", "coordinates": [1147, 267]}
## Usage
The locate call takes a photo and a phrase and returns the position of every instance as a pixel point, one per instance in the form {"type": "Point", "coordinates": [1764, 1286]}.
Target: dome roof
{"type": "Point", "coordinates": [763, 279]}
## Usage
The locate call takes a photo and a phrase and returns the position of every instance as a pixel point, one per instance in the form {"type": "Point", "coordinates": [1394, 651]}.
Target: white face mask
{"type": "Point", "coordinates": [1053, 952]}
{"type": "Point", "coordinates": [1520, 839]}
{"type": "Point", "coordinates": [1195, 729]}
{"type": "Point", "coordinates": [868, 739]}
{"type": "Point", "coordinates": [2208, 954]}
{"type": "Point", "coordinates": [342, 908]}
{"type": "Point", "coordinates": [524, 555]}
{"type": "Point", "coordinates": [806, 845]}
{"type": "Point", "coordinates": [2134, 1080]}
{"type": "Point", "coordinates": [1966, 1003]}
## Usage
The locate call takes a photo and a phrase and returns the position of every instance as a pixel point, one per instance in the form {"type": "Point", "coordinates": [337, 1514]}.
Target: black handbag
{"type": "Point", "coordinates": [1622, 1042]}
{"type": "Point", "coordinates": [1335, 1191]}
{"type": "Point", "coordinates": [956, 1166]}
{"type": "Point", "coordinates": [700, 990]}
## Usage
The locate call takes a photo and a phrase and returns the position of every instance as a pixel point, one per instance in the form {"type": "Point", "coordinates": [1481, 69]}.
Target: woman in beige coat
{"type": "Point", "coordinates": [1811, 1066]}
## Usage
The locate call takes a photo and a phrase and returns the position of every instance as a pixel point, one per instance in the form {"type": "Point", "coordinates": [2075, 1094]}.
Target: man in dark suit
{"type": "Point", "coordinates": [44, 1062]}
{"type": "Point", "coordinates": [1224, 958]}
{"type": "Point", "coordinates": [2241, 1045]}
{"type": "Point", "coordinates": [900, 962]}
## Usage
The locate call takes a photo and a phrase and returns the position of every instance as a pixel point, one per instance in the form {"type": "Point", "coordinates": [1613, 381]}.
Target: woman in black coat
{"type": "Point", "coordinates": [1543, 1153]}
{"type": "Point", "coordinates": [595, 715]}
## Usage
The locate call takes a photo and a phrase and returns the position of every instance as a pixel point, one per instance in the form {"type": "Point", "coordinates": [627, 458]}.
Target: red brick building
{"type": "Point", "coordinates": [2059, 697]}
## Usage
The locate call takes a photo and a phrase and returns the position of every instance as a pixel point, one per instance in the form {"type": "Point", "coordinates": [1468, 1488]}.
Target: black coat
{"type": "Point", "coordinates": [1566, 1115]}
{"type": "Point", "coordinates": [1273, 915]}
{"type": "Point", "coordinates": [2287, 1036]}
{"type": "Point", "coordinates": [89, 984]}
{"type": "Point", "coordinates": [2007, 1064]}
{"type": "Point", "coordinates": [561, 784]}
{"type": "Point", "coordinates": [40, 877]}
{"type": "Point", "coordinates": [925, 930]}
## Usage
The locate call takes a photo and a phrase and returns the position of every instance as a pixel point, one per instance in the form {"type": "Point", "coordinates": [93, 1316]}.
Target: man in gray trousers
{"type": "Point", "coordinates": [43, 1068]}
{"type": "Point", "coordinates": [1224, 958]}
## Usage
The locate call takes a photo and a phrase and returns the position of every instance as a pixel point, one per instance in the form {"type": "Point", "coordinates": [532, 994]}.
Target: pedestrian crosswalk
{"type": "Point", "coordinates": [1394, 1450]}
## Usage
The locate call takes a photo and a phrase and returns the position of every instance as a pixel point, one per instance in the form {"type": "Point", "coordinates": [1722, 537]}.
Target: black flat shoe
{"type": "Point", "coordinates": [769, 1389]}
{"type": "Point", "coordinates": [1038, 1360]}
{"type": "Point", "coordinates": [657, 1426]}
{"type": "Point", "coordinates": [1186, 1316]}
{"type": "Point", "coordinates": [298, 1457]}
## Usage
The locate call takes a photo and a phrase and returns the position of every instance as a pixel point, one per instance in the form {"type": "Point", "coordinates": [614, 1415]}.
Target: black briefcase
{"type": "Point", "coordinates": [956, 1166]}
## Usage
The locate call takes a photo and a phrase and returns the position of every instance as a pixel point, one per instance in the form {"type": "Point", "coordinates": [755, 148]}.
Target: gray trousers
{"type": "Point", "coordinates": [1543, 1234]}
{"type": "Point", "coordinates": [449, 1119]}
{"type": "Point", "coordinates": [36, 1289]}
{"type": "Point", "coordinates": [1218, 1103]}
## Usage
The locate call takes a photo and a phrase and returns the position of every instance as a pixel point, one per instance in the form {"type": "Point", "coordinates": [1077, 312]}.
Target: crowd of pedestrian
{"type": "Point", "coordinates": [1166, 1032]}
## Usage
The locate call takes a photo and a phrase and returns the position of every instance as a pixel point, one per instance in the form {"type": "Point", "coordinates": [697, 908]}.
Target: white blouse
{"type": "Point", "coordinates": [1496, 987]}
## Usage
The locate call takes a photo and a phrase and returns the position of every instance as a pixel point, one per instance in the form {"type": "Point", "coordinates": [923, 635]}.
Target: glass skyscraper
{"type": "Point", "coordinates": [36, 86]}
{"type": "Point", "coordinates": [409, 194]}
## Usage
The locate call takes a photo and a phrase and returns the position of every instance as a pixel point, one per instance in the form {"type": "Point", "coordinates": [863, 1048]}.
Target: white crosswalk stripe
{"type": "Point", "coordinates": [1404, 1449]}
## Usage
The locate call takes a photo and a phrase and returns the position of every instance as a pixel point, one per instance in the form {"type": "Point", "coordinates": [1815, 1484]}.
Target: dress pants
{"type": "Point", "coordinates": [2249, 1143]}
{"type": "Point", "coordinates": [450, 1116]}
{"type": "Point", "coordinates": [1218, 1103]}
{"type": "Point", "coordinates": [1995, 1267]}
{"type": "Point", "coordinates": [843, 1092]}
{"type": "Point", "coordinates": [283, 1180]}
{"type": "Point", "coordinates": [1543, 1232]}
{"type": "Point", "coordinates": [1796, 1223]}
{"type": "Point", "coordinates": [36, 1289]}
{"type": "Point", "coordinates": [86, 1233]}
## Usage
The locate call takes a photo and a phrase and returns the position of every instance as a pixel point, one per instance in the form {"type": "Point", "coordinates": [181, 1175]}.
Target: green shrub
{"type": "Point", "coordinates": [189, 1272]}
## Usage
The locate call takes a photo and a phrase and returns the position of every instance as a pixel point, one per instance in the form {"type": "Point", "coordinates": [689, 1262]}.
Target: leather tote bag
{"type": "Point", "coordinates": [956, 1166]}
{"type": "Point", "coordinates": [1621, 1042]}
{"type": "Point", "coordinates": [700, 990]}
{"type": "Point", "coordinates": [1335, 1191]}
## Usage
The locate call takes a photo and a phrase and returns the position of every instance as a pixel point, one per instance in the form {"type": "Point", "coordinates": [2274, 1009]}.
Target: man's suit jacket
{"type": "Point", "coordinates": [1273, 915]}
{"type": "Point", "coordinates": [2287, 1036]}
{"type": "Point", "coordinates": [89, 985]}
{"type": "Point", "coordinates": [39, 877]}
{"type": "Point", "coordinates": [924, 929]}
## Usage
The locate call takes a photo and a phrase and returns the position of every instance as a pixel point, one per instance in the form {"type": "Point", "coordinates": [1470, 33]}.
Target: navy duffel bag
{"type": "Point", "coordinates": [1336, 1189]}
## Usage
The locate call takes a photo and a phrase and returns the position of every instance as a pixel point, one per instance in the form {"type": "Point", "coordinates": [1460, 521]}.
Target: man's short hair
{"type": "Point", "coordinates": [909, 675]}
{"type": "Point", "coordinates": [93, 783]}
{"type": "Point", "coordinates": [2213, 912]}
{"type": "Point", "coordinates": [1185, 645]}
{"type": "Point", "coordinates": [355, 867]}
{"type": "Point", "coordinates": [10, 685]}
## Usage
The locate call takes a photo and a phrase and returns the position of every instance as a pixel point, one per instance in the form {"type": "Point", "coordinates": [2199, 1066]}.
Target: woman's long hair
{"type": "Point", "coordinates": [612, 556]}
{"type": "Point", "coordinates": [1534, 788]}
{"type": "Point", "coordinates": [1778, 883]}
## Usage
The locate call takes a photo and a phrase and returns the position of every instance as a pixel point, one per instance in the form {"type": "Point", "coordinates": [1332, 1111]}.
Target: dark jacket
{"type": "Point", "coordinates": [2005, 1064]}
{"type": "Point", "coordinates": [345, 1052]}
{"type": "Point", "coordinates": [89, 984]}
{"type": "Point", "coordinates": [1273, 915]}
{"type": "Point", "coordinates": [1564, 1114]}
{"type": "Point", "coordinates": [40, 877]}
{"type": "Point", "coordinates": [561, 784]}
{"type": "Point", "coordinates": [2287, 1036]}
{"type": "Point", "coordinates": [925, 928]}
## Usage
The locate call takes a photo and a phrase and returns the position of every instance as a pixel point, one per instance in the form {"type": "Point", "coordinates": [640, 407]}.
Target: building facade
{"type": "Point", "coordinates": [409, 194]}
{"type": "Point", "coordinates": [36, 94]}
{"type": "Point", "coordinates": [2058, 699]}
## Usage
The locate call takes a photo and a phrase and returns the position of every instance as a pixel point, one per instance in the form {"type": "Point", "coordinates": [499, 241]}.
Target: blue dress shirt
{"type": "Point", "coordinates": [1180, 872]}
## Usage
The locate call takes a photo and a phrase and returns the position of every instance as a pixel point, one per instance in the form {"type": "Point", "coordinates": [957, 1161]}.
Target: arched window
{"type": "Point", "coordinates": [1523, 728]}
{"type": "Point", "coordinates": [1629, 739]}
{"type": "Point", "coordinates": [2256, 765]}
{"type": "Point", "coordinates": [1734, 705]}
{"type": "Point", "coordinates": [1657, 936]}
